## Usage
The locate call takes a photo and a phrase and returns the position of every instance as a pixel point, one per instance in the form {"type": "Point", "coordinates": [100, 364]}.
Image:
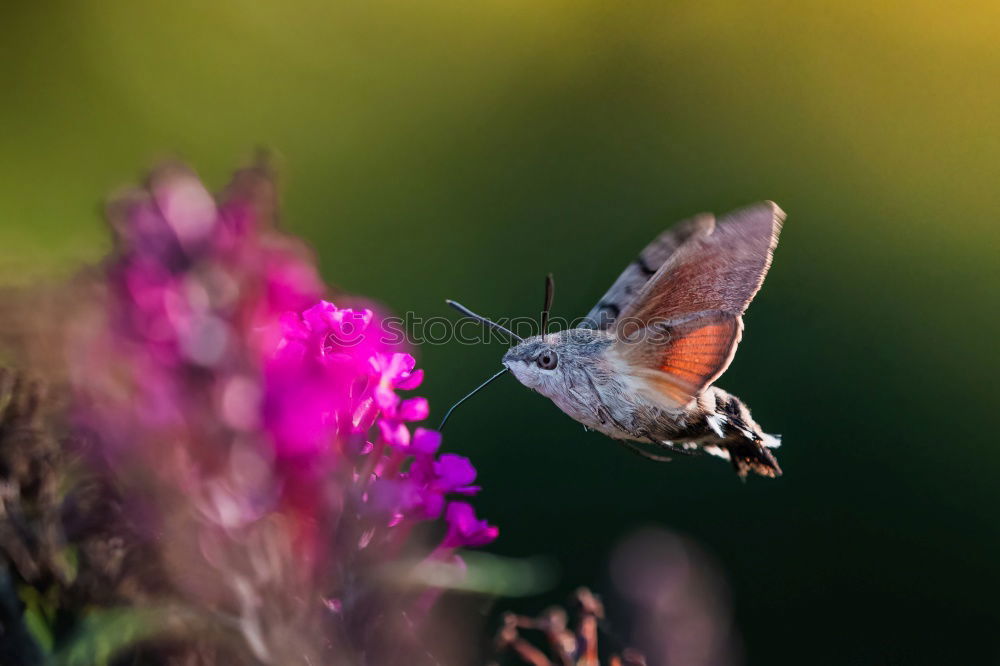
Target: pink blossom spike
{"type": "Point", "coordinates": [235, 410]}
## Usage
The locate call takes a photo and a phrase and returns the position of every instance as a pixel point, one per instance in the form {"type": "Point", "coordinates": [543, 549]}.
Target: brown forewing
{"type": "Point", "coordinates": [719, 267]}
{"type": "Point", "coordinates": [629, 284]}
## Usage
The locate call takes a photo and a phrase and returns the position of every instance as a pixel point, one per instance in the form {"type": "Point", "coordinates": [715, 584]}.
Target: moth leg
{"type": "Point", "coordinates": [603, 415]}
{"type": "Point", "coordinates": [664, 443]}
{"type": "Point", "coordinates": [679, 450]}
{"type": "Point", "coordinates": [642, 453]}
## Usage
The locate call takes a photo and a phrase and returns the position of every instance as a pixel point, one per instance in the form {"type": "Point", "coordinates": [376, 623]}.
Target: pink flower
{"type": "Point", "coordinates": [396, 372]}
{"type": "Point", "coordinates": [426, 442]}
{"type": "Point", "coordinates": [217, 375]}
{"type": "Point", "coordinates": [328, 367]}
{"type": "Point", "coordinates": [464, 529]}
{"type": "Point", "coordinates": [456, 474]}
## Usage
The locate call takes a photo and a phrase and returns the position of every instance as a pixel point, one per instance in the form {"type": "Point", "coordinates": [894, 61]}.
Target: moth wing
{"type": "Point", "coordinates": [718, 267]}
{"type": "Point", "coordinates": [680, 333]}
{"type": "Point", "coordinates": [676, 360]}
{"type": "Point", "coordinates": [637, 274]}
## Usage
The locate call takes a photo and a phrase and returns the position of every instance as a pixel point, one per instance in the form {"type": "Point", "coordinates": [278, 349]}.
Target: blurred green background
{"type": "Point", "coordinates": [463, 149]}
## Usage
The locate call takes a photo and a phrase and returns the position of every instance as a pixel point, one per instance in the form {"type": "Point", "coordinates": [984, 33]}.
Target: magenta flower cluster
{"type": "Point", "coordinates": [332, 382]}
{"type": "Point", "coordinates": [235, 406]}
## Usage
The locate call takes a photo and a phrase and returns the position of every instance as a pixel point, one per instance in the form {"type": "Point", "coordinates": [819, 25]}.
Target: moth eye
{"type": "Point", "coordinates": [547, 360]}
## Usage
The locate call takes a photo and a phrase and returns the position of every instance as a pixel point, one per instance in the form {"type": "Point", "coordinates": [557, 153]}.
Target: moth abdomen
{"type": "Point", "coordinates": [724, 421]}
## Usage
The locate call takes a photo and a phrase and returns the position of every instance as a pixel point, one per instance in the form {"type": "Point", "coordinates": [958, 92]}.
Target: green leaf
{"type": "Point", "coordinates": [103, 634]}
{"type": "Point", "coordinates": [39, 629]}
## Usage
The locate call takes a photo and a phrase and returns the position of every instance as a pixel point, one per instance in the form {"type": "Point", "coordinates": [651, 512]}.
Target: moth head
{"type": "Point", "coordinates": [545, 363]}
{"type": "Point", "coordinates": [536, 361]}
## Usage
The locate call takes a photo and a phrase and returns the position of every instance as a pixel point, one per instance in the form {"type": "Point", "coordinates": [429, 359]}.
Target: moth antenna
{"type": "Point", "coordinates": [471, 393]}
{"type": "Point", "coordinates": [492, 324]}
{"type": "Point", "coordinates": [550, 289]}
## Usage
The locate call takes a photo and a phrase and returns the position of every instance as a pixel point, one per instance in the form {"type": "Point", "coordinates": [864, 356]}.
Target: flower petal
{"type": "Point", "coordinates": [425, 442]}
{"type": "Point", "coordinates": [394, 433]}
{"type": "Point", "coordinates": [414, 409]}
{"type": "Point", "coordinates": [410, 381]}
{"type": "Point", "coordinates": [454, 471]}
{"type": "Point", "coordinates": [464, 529]}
